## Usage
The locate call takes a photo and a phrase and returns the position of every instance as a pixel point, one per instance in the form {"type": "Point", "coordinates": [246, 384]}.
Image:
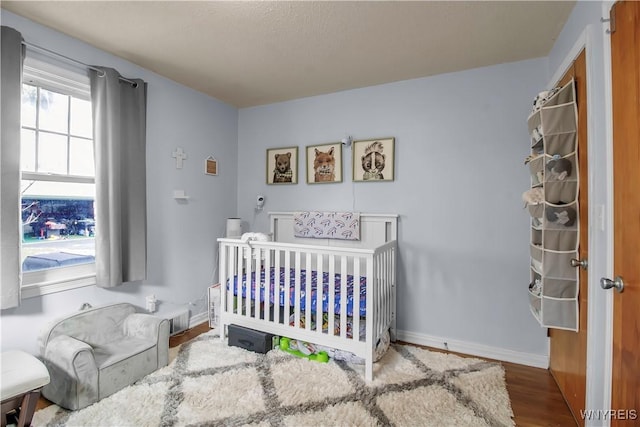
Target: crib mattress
{"type": "Point", "coordinates": [280, 280]}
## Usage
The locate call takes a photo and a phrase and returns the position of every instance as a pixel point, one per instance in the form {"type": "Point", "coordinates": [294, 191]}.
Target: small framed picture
{"type": "Point", "coordinates": [211, 166]}
{"type": "Point", "coordinates": [282, 165]}
{"type": "Point", "coordinates": [324, 163]}
{"type": "Point", "coordinates": [373, 160]}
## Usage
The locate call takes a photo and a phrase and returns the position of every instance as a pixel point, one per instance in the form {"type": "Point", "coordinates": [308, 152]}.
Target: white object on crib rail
{"type": "Point", "coordinates": [257, 237]}
{"type": "Point", "coordinates": [260, 237]}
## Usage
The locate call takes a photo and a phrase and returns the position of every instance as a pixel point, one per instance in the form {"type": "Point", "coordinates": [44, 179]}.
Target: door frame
{"type": "Point", "coordinates": [607, 339]}
{"type": "Point", "coordinates": [600, 240]}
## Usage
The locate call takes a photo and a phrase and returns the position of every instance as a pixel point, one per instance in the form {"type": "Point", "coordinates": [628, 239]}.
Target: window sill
{"type": "Point", "coordinates": [50, 281]}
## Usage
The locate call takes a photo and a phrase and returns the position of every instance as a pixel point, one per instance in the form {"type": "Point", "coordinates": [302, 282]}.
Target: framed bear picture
{"type": "Point", "coordinates": [282, 165]}
{"type": "Point", "coordinates": [374, 160]}
{"type": "Point", "coordinates": [324, 163]}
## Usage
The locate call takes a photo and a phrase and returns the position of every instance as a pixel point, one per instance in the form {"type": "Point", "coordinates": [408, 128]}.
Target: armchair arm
{"type": "Point", "coordinates": [146, 326]}
{"type": "Point", "coordinates": [74, 373]}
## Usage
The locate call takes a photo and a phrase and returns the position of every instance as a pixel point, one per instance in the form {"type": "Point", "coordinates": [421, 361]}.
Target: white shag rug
{"type": "Point", "coordinates": [211, 384]}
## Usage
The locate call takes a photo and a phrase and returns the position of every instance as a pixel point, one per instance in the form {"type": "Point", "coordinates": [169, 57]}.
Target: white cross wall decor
{"type": "Point", "coordinates": [179, 155]}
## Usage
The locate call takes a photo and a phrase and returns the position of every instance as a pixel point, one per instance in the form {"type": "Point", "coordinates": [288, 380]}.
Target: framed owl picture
{"type": "Point", "coordinates": [374, 160]}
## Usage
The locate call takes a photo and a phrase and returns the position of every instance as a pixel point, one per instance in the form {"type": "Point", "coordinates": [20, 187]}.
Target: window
{"type": "Point", "coordinates": [58, 180]}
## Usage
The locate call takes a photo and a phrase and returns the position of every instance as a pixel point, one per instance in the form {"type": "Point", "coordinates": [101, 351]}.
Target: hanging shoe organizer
{"type": "Point", "coordinates": [553, 163]}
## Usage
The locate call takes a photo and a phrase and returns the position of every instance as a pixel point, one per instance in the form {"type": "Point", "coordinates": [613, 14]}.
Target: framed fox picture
{"type": "Point", "coordinates": [324, 163]}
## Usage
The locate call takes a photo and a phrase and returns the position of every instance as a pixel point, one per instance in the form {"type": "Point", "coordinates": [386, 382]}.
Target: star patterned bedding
{"type": "Point", "coordinates": [279, 278]}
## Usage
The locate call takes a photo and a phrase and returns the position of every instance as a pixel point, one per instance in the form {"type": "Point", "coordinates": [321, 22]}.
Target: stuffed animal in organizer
{"type": "Point", "coordinates": [543, 97]}
{"type": "Point", "coordinates": [534, 196]}
{"type": "Point", "coordinates": [558, 168]}
{"type": "Point", "coordinates": [561, 215]}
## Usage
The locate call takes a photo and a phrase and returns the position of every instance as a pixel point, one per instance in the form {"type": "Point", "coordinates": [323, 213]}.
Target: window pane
{"type": "Point", "coordinates": [58, 225]}
{"type": "Point", "coordinates": [52, 153]}
{"type": "Point", "coordinates": [29, 98]}
{"type": "Point", "coordinates": [54, 111]}
{"type": "Point", "coordinates": [28, 150]}
{"type": "Point", "coordinates": [81, 157]}
{"type": "Point", "coordinates": [60, 190]}
{"type": "Point", "coordinates": [81, 121]}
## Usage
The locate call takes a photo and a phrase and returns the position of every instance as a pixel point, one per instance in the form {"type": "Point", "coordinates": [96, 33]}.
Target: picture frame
{"type": "Point", "coordinates": [370, 152]}
{"type": "Point", "coordinates": [282, 165]}
{"type": "Point", "coordinates": [210, 166]}
{"type": "Point", "coordinates": [324, 163]}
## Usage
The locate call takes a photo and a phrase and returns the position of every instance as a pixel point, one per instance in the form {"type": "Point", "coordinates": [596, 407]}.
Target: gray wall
{"type": "Point", "coordinates": [181, 237]}
{"type": "Point", "coordinates": [461, 139]}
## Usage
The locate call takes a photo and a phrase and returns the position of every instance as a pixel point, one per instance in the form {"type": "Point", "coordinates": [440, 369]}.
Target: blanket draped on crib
{"type": "Point", "coordinates": [278, 280]}
{"type": "Point", "coordinates": [327, 225]}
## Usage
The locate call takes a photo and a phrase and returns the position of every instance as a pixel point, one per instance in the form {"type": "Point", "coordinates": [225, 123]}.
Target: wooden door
{"type": "Point", "coordinates": [625, 66]}
{"type": "Point", "coordinates": [568, 349]}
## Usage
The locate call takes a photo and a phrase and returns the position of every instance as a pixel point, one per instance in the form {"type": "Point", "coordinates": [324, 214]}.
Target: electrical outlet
{"type": "Point", "coordinates": [151, 303]}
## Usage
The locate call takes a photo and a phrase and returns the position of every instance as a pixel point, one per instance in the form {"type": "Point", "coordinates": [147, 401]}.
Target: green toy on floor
{"type": "Point", "coordinates": [298, 348]}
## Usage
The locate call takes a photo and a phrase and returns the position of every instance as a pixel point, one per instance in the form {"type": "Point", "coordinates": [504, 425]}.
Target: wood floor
{"type": "Point", "coordinates": [535, 398]}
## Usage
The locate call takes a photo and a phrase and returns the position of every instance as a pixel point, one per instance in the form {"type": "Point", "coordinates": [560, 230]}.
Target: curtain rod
{"type": "Point", "coordinates": [100, 72]}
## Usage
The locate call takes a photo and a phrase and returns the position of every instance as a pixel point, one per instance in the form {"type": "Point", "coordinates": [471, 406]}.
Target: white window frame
{"type": "Point", "coordinates": [44, 72]}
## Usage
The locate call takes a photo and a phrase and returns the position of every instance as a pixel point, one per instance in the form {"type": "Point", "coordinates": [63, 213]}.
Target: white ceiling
{"type": "Point", "coordinates": [249, 53]}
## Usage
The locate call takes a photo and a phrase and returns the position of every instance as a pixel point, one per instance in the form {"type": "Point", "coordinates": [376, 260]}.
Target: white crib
{"type": "Point", "coordinates": [284, 263]}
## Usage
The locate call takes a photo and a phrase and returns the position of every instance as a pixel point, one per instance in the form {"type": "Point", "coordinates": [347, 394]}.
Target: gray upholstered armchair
{"type": "Point", "coordinates": [93, 353]}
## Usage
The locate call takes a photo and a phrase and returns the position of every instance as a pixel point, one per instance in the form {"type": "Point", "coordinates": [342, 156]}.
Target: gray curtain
{"type": "Point", "coordinates": [10, 212]}
{"type": "Point", "coordinates": [119, 120]}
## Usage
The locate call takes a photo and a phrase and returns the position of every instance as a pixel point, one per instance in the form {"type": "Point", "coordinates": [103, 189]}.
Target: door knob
{"type": "Point", "coordinates": [582, 263]}
{"type": "Point", "coordinates": [608, 283]}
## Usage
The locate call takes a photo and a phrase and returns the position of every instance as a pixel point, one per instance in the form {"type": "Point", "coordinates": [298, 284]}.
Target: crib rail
{"type": "Point", "coordinates": [332, 326]}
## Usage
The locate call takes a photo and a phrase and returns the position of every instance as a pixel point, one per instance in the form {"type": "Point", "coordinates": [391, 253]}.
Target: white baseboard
{"type": "Point", "coordinates": [474, 349]}
{"type": "Point", "coordinates": [464, 347]}
{"type": "Point", "coordinates": [199, 318]}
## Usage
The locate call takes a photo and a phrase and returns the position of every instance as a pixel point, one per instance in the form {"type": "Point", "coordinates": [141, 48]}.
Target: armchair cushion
{"type": "Point", "coordinates": [93, 353]}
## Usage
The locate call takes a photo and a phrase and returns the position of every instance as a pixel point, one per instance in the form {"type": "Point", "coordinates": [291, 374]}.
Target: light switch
{"type": "Point", "coordinates": [600, 217]}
